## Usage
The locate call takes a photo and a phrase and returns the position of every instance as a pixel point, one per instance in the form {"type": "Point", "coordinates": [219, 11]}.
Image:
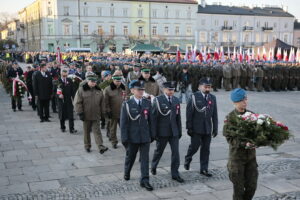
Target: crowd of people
{"type": "Point", "coordinates": [137, 93]}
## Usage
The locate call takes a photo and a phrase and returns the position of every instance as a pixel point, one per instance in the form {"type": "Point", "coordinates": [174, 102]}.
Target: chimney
{"type": "Point", "coordinates": [203, 3]}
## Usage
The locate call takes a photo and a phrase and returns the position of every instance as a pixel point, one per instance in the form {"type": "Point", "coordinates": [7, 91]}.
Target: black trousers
{"type": "Point", "coordinates": [53, 103]}
{"type": "Point", "coordinates": [44, 108]}
{"type": "Point", "coordinates": [198, 140]}
{"type": "Point", "coordinates": [16, 101]}
{"type": "Point", "coordinates": [71, 124]}
{"type": "Point", "coordinates": [33, 104]}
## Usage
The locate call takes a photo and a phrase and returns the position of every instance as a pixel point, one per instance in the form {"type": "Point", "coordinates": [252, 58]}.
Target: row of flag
{"type": "Point", "coordinates": [204, 55]}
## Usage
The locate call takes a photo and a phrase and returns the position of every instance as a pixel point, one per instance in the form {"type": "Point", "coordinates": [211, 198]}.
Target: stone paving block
{"type": "Point", "coordinates": [14, 189]}
{"type": "Point", "coordinates": [23, 178]}
{"type": "Point", "coordinates": [194, 189]}
{"type": "Point", "coordinates": [15, 152]}
{"type": "Point", "coordinates": [4, 181]}
{"type": "Point", "coordinates": [44, 161]}
{"type": "Point", "coordinates": [279, 186]}
{"type": "Point", "coordinates": [204, 196]}
{"type": "Point", "coordinates": [81, 172]}
{"type": "Point", "coordinates": [223, 194]}
{"type": "Point", "coordinates": [144, 195]}
{"type": "Point", "coordinates": [219, 184]}
{"type": "Point", "coordinates": [53, 175]}
{"type": "Point", "coordinates": [42, 185]}
{"type": "Point", "coordinates": [103, 178]}
{"type": "Point", "coordinates": [263, 191]}
{"type": "Point", "coordinates": [73, 181]}
{"type": "Point", "coordinates": [36, 169]}
{"type": "Point", "coordinates": [18, 164]}
{"type": "Point", "coordinates": [170, 193]}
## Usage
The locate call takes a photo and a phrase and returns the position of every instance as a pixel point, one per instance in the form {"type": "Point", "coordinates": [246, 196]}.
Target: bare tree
{"type": "Point", "coordinates": [6, 17]}
{"type": "Point", "coordinates": [160, 41]}
{"type": "Point", "coordinates": [103, 40]}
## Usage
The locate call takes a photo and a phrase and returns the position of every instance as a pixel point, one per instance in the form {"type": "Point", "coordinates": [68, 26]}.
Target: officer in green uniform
{"type": "Point", "coordinates": [242, 165]}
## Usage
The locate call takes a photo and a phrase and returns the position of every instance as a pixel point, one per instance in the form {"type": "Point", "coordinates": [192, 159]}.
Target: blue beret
{"type": "Point", "coordinates": [238, 94]}
{"type": "Point", "coordinates": [136, 84]}
{"type": "Point", "coordinates": [106, 73]}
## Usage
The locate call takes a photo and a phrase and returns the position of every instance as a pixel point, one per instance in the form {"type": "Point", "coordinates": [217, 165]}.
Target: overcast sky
{"type": "Point", "coordinates": [13, 6]}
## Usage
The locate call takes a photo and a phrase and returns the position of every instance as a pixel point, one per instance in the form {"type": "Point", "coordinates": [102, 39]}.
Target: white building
{"type": "Point", "coordinates": [108, 23]}
{"type": "Point", "coordinates": [219, 25]}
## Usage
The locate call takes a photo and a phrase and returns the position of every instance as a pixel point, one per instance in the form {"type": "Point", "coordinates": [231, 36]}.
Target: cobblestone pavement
{"type": "Point", "coordinates": [37, 161]}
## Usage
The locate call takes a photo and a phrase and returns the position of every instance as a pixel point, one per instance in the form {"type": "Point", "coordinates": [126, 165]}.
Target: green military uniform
{"type": "Point", "coordinates": [244, 75]}
{"type": "Point", "coordinates": [259, 74]}
{"type": "Point", "coordinates": [227, 74]}
{"type": "Point", "coordinates": [242, 165]}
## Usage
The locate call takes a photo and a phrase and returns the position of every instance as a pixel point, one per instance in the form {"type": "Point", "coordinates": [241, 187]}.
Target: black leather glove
{"type": "Point", "coordinates": [214, 134]}
{"type": "Point", "coordinates": [109, 115]}
{"type": "Point", "coordinates": [81, 116]}
{"type": "Point", "coordinates": [190, 132]}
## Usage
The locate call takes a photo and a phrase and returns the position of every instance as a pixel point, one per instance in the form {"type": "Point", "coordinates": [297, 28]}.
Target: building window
{"type": "Point", "coordinates": [50, 29]}
{"type": "Point", "coordinates": [112, 12]}
{"type": "Point", "coordinates": [166, 13]}
{"type": "Point", "coordinates": [49, 11]}
{"type": "Point", "coordinates": [202, 37]}
{"type": "Point", "coordinates": [140, 31]}
{"type": "Point", "coordinates": [66, 11]}
{"type": "Point", "coordinates": [257, 38]}
{"type": "Point", "coordinates": [154, 13]}
{"type": "Point", "coordinates": [216, 23]}
{"type": "Point", "coordinates": [215, 37]}
{"type": "Point", "coordinates": [125, 12]}
{"type": "Point", "coordinates": [99, 12]}
{"type": "Point", "coordinates": [154, 30]}
{"type": "Point", "coordinates": [257, 24]}
{"type": "Point", "coordinates": [285, 38]}
{"type": "Point", "coordinates": [203, 22]}
{"type": "Point", "coordinates": [86, 45]}
{"type": "Point", "coordinates": [265, 37]}
{"type": "Point", "coordinates": [100, 30]}
{"type": "Point", "coordinates": [189, 14]}
{"type": "Point", "coordinates": [125, 30]}
{"type": "Point", "coordinates": [246, 38]}
{"type": "Point", "coordinates": [140, 12]}
{"type": "Point", "coordinates": [225, 37]}
{"type": "Point", "coordinates": [112, 30]}
{"type": "Point", "coordinates": [298, 41]}
{"type": "Point", "coordinates": [67, 29]}
{"type": "Point", "coordinates": [234, 24]}
{"type": "Point", "coordinates": [177, 32]}
{"type": "Point", "coordinates": [247, 23]}
{"type": "Point", "coordinates": [286, 25]}
{"type": "Point", "coordinates": [233, 37]}
{"type": "Point", "coordinates": [166, 30]}
{"type": "Point", "coordinates": [177, 14]}
{"type": "Point", "coordinates": [85, 11]}
{"type": "Point", "coordinates": [189, 30]}
{"type": "Point", "coordinates": [266, 24]}
{"type": "Point", "coordinates": [225, 23]}
{"type": "Point", "coordinates": [86, 29]}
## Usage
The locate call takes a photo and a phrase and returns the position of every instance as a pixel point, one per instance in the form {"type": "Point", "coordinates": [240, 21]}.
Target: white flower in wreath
{"type": "Point", "coordinates": [260, 121]}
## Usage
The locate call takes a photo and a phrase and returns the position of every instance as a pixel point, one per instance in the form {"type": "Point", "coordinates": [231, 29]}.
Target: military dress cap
{"type": "Point", "coordinates": [136, 84]}
{"type": "Point", "coordinates": [146, 69]}
{"type": "Point", "coordinates": [169, 85]}
{"type": "Point", "coordinates": [205, 81]}
{"type": "Point", "coordinates": [118, 75]}
{"type": "Point", "coordinates": [92, 77]}
{"type": "Point", "coordinates": [238, 95]}
{"type": "Point", "coordinates": [137, 65]}
{"type": "Point", "coordinates": [64, 69]}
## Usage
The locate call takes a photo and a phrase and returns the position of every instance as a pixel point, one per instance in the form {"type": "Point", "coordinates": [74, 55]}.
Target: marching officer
{"type": "Point", "coordinates": [201, 124]}
{"type": "Point", "coordinates": [167, 128]}
{"type": "Point", "coordinates": [65, 93]}
{"type": "Point", "coordinates": [136, 131]}
{"type": "Point", "coordinates": [114, 95]}
{"type": "Point", "coordinates": [242, 165]}
{"type": "Point", "coordinates": [89, 104]}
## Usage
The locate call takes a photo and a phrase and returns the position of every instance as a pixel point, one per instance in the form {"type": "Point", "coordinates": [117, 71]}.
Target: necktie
{"type": "Point", "coordinates": [140, 103]}
{"type": "Point", "coordinates": [170, 100]}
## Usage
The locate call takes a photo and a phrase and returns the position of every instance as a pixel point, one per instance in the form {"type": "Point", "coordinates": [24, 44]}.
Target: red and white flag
{"type": "Point", "coordinates": [264, 54]}
{"type": "Point", "coordinates": [178, 56]}
{"type": "Point", "coordinates": [278, 54]}
{"type": "Point", "coordinates": [58, 56]}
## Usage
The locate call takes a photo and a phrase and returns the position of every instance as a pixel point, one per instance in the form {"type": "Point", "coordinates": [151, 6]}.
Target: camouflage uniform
{"type": "Point", "coordinates": [244, 75]}
{"type": "Point", "coordinates": [242, 166]}
{"type": "Point", "coordinates": [259, 74]}
{"type": "Point", "coordinates": [227, 74]}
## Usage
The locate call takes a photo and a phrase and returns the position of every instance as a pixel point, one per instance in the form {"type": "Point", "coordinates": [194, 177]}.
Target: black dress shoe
{"type": "Point", "coordinates": [73, 131]}
{"type": "Point", "coordinates": [205, 173]}
{"type": "Point", "coordinates": [42, 120]}
{"type": "Point", "coordinates": [20, 109]}
{"type": "Point", "coordinates": [186, 166]}
{"type": "Point", "coordinates": [88, 150]}
{"type": "Point", "coordinates": [14, 110]}
{"type": "Point", "coordinates": [47, 120]}
{"type": "Point", "coordinates": [115, 146]}
{"type": "Point", "coordinates": [147, 186]}
{"type": "Point", "coordinates": [126, 177]}
{"type": "Point", "coordinates": [103, 126]}
{"type": "Point", "coordinates": [153, 171]}
{"type": "Point", "coordinates": [103, 150]}
{"type": "Point", "coordinates": [178, 179]}
{"type": "Point", "coordinates": [63, 130]}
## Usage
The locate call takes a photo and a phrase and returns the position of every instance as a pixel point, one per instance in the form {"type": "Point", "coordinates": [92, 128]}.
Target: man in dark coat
{"type": "Point", "coordinates": [201, 124]}
{"type": "Point", "coordinates": [167, 128]}
{"type": "Point", "coordinates": [29, 84]}
{"type": "Point", "coordinates": [13, 72]}
{"type": "Point", "coordinates": [43, 89]}
{"type": "Point", "coordinates": [65, 93]}
{"type": "Point", "coordinates": [136, 133]}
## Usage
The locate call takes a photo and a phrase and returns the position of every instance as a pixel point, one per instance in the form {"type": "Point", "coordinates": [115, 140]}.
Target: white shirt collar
{"type": "Point", "coordinates": [137, 100]}
{"type": "Point", "coordinates": [168, 97]}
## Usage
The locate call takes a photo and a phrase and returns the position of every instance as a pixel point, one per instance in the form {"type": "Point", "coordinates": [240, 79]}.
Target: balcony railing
{"type": "Point", "coordinates": [248, 28]}
{"type": "Point", "coordinates": [226, 28]}
{"type": "Point", "coordinates": [267, 28]}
